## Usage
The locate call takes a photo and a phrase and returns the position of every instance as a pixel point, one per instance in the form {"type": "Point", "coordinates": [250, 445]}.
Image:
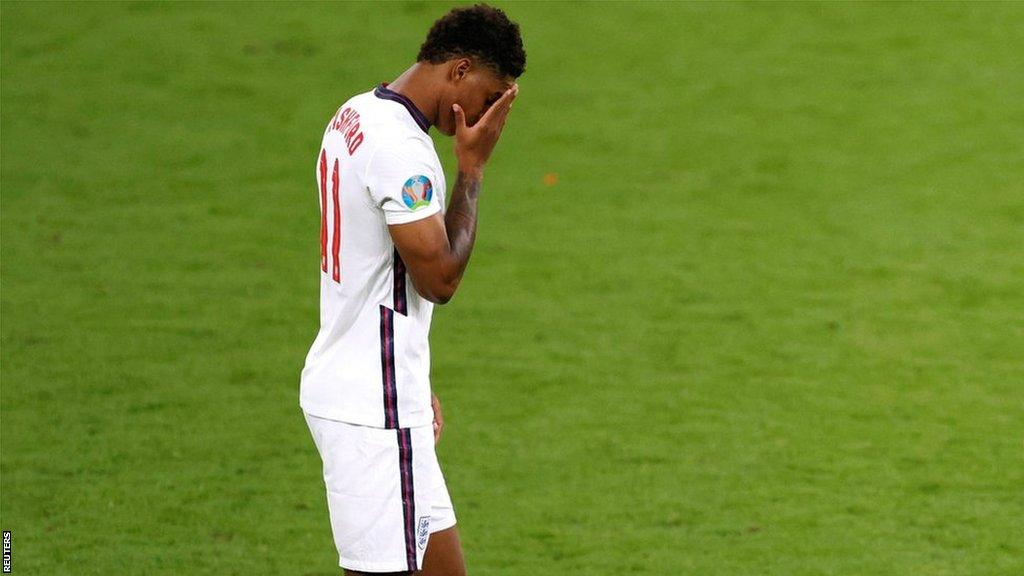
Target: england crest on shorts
{"type": "Point", "coordinates": [422, 531]}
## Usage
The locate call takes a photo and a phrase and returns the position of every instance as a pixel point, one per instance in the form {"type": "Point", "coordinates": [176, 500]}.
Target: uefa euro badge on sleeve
{"type": "Point", "coordinates": [417, 192]}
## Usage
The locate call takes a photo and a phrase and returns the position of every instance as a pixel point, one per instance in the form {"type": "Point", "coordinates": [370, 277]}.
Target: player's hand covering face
{"type": "Point", "coordinates": [474, 143]}
{"type": "Point", "coordinates": [475, 88]}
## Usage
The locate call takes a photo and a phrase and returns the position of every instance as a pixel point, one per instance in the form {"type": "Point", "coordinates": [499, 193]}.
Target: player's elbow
{"type": "Point", "coordinates": [444, 293]}
{"type": "Point", "coordinates": [436, 283]}
{"type": "Point", "coordinates": [436, 290]}
{"type": "Point", "coordinates": [444, 289]}
{"type": "Point", "coordinates": [437, 296]}
{"type": "Point", "coordinates": [440, 298]}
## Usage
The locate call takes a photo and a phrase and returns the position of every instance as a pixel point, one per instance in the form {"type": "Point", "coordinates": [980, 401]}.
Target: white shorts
{"type": "Point", "coordinates": [385, 493]}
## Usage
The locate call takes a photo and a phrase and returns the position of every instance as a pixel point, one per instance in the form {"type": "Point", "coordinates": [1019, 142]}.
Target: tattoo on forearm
{"type": "Point", "coordinates": [460, 219]}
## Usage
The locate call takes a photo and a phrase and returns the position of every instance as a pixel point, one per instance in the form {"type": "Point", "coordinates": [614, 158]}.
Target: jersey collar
{"type": "Point", "coordinates": [382, 91]}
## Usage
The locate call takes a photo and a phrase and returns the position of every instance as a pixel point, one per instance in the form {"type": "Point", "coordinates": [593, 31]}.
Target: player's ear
{"type": "Point", "coordinates": [460, 69]}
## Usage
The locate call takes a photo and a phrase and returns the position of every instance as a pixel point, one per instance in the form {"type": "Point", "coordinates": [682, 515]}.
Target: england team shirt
{"type": "Point", "coordinates": [370, 361]}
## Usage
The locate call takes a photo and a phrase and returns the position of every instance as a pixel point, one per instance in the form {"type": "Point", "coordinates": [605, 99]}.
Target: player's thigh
{"type": "Point", "coordinates": [442, 558]}
{"type": "Point", "coordinates": [444, 554]}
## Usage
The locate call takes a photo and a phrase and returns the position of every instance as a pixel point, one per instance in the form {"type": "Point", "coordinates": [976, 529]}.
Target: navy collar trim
{"type": "Point", "coordinates": [382, 91]}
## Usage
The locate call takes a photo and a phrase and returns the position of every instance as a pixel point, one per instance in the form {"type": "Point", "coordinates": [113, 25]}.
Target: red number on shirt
{"type": "Point", "coordinates": [336, 229]}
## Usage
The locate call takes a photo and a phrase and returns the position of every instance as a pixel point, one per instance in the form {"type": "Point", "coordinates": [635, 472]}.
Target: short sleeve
{"type": "Point", "coordinates": [401, 180]}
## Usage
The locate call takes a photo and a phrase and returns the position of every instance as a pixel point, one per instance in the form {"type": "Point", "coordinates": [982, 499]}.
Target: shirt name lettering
{"type": "Point", "coordinates": [346, 121]}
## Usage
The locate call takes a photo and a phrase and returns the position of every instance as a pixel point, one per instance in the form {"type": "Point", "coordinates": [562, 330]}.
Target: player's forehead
{"type": "Point", "coordinates": [495, 80]}
{"type": "Point", "coordinates": [495, 87]}
{"type": "Point", "coordinates": [503, 83]}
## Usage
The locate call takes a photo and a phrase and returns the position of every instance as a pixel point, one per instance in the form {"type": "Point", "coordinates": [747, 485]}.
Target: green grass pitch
{"type": "Point", "coordinates": [747, 298]}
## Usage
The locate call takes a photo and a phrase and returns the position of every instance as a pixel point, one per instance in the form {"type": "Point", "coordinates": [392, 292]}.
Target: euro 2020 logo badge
{"type": "Point", "coordinates": [417, 192]}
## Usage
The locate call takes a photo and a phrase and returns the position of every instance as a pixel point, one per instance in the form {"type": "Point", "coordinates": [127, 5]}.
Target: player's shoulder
{"type": "Point", "coordinates": [397, 153]}
{"type": "Point", "coordinates": [389, 139]}
{"type": "Point", "coordinates": [383, 122]}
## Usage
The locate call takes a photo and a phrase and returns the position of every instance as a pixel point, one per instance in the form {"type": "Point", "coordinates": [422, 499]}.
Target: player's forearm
{"type": "Point", "coordinates": [460, 225]}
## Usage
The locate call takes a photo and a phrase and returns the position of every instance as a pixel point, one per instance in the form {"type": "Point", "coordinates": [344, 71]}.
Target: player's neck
{"type": "Point", "coordinates": [416, 84]}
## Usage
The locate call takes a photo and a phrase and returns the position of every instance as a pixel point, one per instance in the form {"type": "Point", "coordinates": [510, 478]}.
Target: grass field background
{"type": "Point", "coordinates": [769, 320]}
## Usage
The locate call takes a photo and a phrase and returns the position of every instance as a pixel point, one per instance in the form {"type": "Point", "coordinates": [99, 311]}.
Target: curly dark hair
{"type": "Point", "coordinates": [479, 31]}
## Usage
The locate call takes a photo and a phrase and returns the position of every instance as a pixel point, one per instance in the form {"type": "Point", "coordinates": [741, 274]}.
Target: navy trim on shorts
{"type": "Point", "coordinates": [408, 500]}
{"type": "Point", "coordinates": [382, 91]}
{"type": "Point", "coordinates": [387, 366]}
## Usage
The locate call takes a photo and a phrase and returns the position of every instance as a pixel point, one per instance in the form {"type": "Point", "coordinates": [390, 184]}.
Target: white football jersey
{"type": "Point", "coordinates": [370, 362]}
